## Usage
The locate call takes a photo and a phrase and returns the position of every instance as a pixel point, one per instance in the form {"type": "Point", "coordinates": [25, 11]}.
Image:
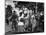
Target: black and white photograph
{"type": "Point", "coordinates": [24, 17]}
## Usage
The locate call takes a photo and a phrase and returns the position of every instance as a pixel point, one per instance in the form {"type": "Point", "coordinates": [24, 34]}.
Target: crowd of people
{"type": "Point", "coordinates": [23, 19]}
